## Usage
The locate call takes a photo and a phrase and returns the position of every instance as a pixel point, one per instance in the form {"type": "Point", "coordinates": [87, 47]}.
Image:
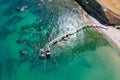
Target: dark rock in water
{"type": "Point", "coordinates": [100, 12]}
{"type": "Point", "coordinates": [18, 9]}
{"type": "Point", "coordinates": [4, 32]}
{"type": "Point", "coordinates": [25, 27]}
{"type": "Point", "coordinates": [23, 52]}
{"type": "Point", "coordinates": [20, 41]}
{"type": "Point", "coordinates": [32, 58]}
{"type": "Point", "coordinates": [15, 19]}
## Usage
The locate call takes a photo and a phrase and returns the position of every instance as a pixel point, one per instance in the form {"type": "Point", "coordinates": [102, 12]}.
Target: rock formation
{"type": "Point", "coordinates": [106, 11]}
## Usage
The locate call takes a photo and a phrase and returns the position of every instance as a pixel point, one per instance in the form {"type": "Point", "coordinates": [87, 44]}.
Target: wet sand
{"type": "Point", "coordinates": [111, 33]}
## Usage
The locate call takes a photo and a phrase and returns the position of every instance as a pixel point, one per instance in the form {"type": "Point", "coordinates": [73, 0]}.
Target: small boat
{"type": "Point", "coordinates": [47, 50]}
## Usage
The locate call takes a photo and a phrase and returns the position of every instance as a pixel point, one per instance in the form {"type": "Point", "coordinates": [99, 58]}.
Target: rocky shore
{"type": "Point", "coordinates": [106, 11]}
{"type": "Point", "coordinates": [99, 13]}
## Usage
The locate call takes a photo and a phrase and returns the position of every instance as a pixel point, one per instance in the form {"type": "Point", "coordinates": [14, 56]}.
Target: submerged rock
{"type": "Point", "coordinates": [32, 58]}
{"type": "Point", "coordinates": [14, 20]}
{"type": "Point", "coordinates": [4, 32]}
{"type": "Point", "coordinates": [20, 41]}
{"type": "Point", "coordinates": [23, 52]}
{"type": "Point", "coordinates": [23, 8]}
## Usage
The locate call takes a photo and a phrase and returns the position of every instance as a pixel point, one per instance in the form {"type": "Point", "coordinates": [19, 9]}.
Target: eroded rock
{"type": "Point", "coordinates": [103, 12]}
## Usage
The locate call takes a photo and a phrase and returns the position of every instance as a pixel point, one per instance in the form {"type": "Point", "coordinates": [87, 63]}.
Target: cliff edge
{"type": "Point", "coordinates": [106, 11]}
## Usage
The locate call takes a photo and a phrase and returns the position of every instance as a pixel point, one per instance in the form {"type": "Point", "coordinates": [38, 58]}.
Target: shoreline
{"type": "Point", "coordinates": [113, 43]}
{"type": "Point", "coordinates": [111, 34]}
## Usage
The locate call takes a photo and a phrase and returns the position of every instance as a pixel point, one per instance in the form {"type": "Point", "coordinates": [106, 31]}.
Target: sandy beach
{"type": "Point", "coordinates": [112, 34]}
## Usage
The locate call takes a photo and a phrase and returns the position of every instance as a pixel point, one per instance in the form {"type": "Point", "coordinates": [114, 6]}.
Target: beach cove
{"type": "Point", "coordinates": [87, 55]}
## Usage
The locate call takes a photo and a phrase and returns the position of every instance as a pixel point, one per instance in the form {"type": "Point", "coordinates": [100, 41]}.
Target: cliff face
{"type": "Point", "coordinates": [106, 11]}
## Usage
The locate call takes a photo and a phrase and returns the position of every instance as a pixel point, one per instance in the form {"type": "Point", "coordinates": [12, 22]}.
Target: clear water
{"type": "Point", "coordinates": [86, 56]}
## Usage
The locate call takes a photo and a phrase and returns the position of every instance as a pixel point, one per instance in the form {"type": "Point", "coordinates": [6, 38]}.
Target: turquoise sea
{"type": "Point", "coordinates": [87, 55]}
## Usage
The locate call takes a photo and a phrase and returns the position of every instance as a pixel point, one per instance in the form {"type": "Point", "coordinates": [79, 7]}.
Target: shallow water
{"type": "Point", "coordinates": [86, 56]}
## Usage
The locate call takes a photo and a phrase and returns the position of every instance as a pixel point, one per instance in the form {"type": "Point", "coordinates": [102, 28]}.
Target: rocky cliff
{"type": "Point", "coordinates": [106, 11]}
